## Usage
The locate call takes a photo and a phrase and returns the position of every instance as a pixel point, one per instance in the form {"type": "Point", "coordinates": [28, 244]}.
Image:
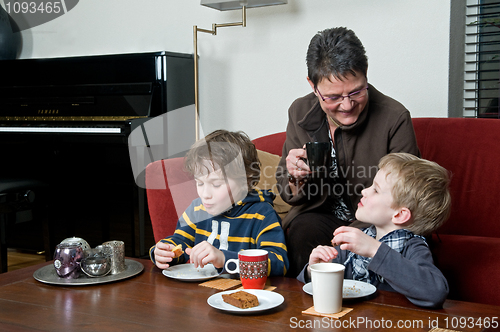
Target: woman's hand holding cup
{"type": "Point", "coordinates": [296, 162]}
{"type": "Point", "coordinates": [298, 169]}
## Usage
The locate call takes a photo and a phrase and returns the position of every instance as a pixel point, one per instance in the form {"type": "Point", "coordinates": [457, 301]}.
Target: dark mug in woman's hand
{"type": "Point", "coordinates": [317, 156]}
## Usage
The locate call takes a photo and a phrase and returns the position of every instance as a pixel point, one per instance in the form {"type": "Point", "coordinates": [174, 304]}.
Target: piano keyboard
{"type": "Point", "coordinates": [68, 130]}
{"type": "Point", "coordinates": [75, 129]}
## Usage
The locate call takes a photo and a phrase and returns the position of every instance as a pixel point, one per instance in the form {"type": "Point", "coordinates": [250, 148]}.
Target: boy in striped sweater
{"type": "Point", "coordinates": [229, 215]}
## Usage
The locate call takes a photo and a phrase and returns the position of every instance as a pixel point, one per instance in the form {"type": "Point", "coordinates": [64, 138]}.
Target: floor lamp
{"type": "Point", "coordinates": [222, 5]}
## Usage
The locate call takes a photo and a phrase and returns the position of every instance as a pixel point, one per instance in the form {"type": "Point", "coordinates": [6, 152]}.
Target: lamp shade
{"type": "Point", "coordinates": [238, 4]}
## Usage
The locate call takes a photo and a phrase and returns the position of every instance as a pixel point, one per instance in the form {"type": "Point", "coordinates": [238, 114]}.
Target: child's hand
{"type": "Point", "coordinates": [321, 254]}
{"type": "Point", "coordinates": [163, 254]}
{"type": "Point", "coordinates": [204, 253]}
{"type": "Point", "coordinates": [355, 240]}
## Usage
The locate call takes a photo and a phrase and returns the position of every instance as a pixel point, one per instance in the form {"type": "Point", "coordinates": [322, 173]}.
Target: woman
{"type": "Point", "coordinates": [361, 124]}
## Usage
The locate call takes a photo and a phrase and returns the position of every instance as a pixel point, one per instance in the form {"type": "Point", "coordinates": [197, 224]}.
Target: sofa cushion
{"type": "Point", "coordinates": [269, 163]}
{"type": "Point", "coordinates": [470, 264]}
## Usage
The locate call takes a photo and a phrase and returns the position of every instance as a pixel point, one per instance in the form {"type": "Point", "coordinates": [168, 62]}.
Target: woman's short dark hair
{"type": "Point", "coordinates": [337, 52]}
{"type": "Point", "coordinates": [222, 149]}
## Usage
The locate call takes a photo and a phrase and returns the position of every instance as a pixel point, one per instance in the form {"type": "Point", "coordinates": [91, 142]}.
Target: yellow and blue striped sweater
{"type": "Point", "coordinates": [251, 224]}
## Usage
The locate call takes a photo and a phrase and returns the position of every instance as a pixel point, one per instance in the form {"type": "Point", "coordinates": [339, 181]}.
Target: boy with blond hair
{"type": "Point", "coordinates": [229, 215]}
{"type": "Point", "coordinates": [409, 198]}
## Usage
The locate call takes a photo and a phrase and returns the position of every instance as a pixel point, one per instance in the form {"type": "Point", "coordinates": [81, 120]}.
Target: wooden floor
{"type": "Point", "coordinates": [17, 259]}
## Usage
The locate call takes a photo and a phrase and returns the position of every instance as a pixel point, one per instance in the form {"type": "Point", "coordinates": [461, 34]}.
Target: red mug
{"type": "Point", "coordinates": [252, 265]}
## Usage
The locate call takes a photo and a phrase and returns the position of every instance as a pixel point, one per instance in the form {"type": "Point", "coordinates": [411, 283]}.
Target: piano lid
{"type": "Point", "coordinates": [86, 88]}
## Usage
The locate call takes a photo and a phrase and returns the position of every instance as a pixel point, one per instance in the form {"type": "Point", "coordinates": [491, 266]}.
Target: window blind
{"type": "Point", "coordinates": [482, 59]}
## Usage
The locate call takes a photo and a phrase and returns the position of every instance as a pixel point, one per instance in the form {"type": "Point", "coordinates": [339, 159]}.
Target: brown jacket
{"type": "Point", "coordinates": [384, 126]}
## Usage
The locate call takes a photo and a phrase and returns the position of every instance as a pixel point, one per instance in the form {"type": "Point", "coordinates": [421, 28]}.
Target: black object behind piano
{"type": "Point", "coordinates": [66, 121]}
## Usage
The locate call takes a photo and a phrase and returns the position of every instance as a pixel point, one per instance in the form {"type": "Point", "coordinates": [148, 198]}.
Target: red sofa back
{"type": "Point", "coordinates": [470, 150]}
{"type": "Point", "coordinates": [272, 143]}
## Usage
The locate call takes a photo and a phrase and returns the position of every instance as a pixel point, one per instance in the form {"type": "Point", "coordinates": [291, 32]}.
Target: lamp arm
{"type": "Point", "coordinates": [243, 23]}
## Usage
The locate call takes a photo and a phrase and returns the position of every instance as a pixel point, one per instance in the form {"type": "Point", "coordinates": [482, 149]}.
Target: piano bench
{"type": "Point", "coordinates": [21, 199]}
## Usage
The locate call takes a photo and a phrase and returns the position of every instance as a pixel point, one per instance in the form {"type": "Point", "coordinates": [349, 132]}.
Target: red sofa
{"type": "Point", "coordinates": [465, 247]}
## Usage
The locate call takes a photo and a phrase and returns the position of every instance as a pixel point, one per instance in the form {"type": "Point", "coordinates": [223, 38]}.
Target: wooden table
{"type": "Point", "coordinates": [153, 302]}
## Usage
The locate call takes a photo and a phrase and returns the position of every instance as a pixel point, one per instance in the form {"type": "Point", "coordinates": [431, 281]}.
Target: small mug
{"type": "Point", "coordinates": [317, 156]}
{"type": "Point", "coordinates": [252, 266]}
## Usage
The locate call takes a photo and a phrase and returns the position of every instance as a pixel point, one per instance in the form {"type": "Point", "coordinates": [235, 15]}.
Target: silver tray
{"type": "Point", "coordinates": [48, 275]}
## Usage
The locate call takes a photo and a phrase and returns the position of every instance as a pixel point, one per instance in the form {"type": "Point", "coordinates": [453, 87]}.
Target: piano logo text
{"type": "Point", "coordinates": [48, 112]}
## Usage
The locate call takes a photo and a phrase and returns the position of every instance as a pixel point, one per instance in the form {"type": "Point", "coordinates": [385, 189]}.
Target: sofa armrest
{"type": "Point", "coordinates": [169, 190]}
{"type": "Point", "coordinates": [471, 266]}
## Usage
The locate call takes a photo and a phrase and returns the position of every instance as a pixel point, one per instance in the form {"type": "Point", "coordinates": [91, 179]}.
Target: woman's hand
{"type": "Point", "coordinates": [295, 163]}
{"type": "Point", "coordinates": [163, 254]}
{"type": "Point", "coordinates": [204, 253]}
{"type": "Point", "coordinates": [353, 239]}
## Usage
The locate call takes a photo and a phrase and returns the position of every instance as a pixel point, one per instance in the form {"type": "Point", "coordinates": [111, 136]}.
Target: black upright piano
{"type": "Point", "coordinates": [66, 122]}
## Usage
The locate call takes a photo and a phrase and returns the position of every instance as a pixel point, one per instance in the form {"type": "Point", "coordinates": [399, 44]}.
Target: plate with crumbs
{"type": "Point", "coordinates": [187, 272]}
{"type": "Point", "coordinates": [267, 301]}
{"type": "Point", "coordinates": [353, 289]}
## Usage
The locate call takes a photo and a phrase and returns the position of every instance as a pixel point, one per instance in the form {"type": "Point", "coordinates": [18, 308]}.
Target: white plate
{"type": "Point", "coordinates": [353, 289]}
{"type": "Point", "coordinates": [267, 301]}
{"type": "Point", "coordinates": [187, 272]}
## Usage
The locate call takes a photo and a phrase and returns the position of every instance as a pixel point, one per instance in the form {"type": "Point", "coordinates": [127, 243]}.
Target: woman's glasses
{"type": "Point", "coordinates": [333, 100]}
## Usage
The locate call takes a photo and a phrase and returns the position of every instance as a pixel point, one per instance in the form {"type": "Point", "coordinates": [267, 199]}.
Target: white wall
{"type": "Point", "coordinates": [249, 76]}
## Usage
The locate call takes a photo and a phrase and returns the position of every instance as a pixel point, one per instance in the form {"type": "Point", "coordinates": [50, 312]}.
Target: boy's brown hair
{"type": "Point", "coordinates": [222, 149]}
{"type": "Point", "coordinates": [420, 185]}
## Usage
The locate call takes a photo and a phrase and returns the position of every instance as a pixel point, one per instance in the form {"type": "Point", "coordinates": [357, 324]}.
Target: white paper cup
{"type": "Point", "coordinates": [327, 283]}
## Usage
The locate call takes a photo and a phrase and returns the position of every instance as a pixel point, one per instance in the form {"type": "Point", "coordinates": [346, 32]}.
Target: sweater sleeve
{"type": "Point", "coordinates": [292, 142]}
{"type": "Point", "coordinates": [412, 273]}
{"type": "Point", "coordinates": [296, 137]}
{"type": "Point", "coordinates": [184, 235]}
